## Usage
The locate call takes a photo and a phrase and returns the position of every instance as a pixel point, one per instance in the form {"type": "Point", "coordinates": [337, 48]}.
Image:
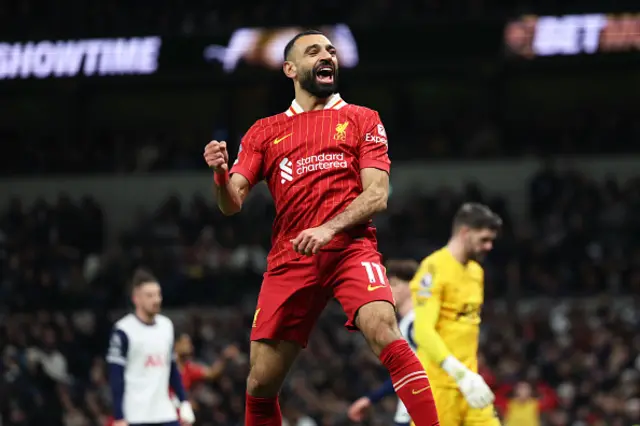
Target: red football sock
{"type": "Point", "coordinates": [410, 382]}
{"type": "Point", "coordinates": [262, 412]}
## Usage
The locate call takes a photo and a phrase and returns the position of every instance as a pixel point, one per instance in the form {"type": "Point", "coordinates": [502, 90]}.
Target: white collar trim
{"type": "Point", "coordinates": [334, 102]}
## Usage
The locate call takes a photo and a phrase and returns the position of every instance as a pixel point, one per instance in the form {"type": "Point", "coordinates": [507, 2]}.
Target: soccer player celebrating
{"type": "Point", "coordinates": [400, 273]}
{"type": "Point", "coordinates": [326, 165]}
{"type": "Point", "coordinates": [448, 292]}
{"type": "Point", "coordinates": [141, 365]}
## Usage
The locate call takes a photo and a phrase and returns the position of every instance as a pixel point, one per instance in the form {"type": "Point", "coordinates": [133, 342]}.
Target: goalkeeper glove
{"type": "Point", "coordinates": [186, 413]}
{"type": "Point", "coordinates": [472, 385]}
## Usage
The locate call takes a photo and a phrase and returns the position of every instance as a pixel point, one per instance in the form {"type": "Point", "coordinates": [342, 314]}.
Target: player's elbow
{"type": "Point", "coordinates": [230, 206]}
{"type": "Point", "coordinates": [230, 210]}
{"type": "Point", "coordinates": [379, 201]}
{"type": "Point", "coordinates": [376, 184]}
{"type": "Point", "coordinates": [423, 334]}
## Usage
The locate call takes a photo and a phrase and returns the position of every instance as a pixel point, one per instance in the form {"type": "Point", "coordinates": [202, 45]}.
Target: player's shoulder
{"type": "Point", "coordinates": [271, 121]}
{"type": "Point", "coordinates": [264, 130]}
{"type": "Point", "coordinates": [359, 112]}
{"type": "Point", "coordinates": [125, 323]}
{"type": "Point", "coordinates": [439, 257]}
{"type": "Point", "coordinates": [164, 321]}
{"type": "Point", "coordinates": [475, 268]}
{"type": "Point", "coordinates": [263, 127]}
{"type": "Point", "coordinates": [130, 322]}
{"type": "Point", "coordinates": [428, 268]}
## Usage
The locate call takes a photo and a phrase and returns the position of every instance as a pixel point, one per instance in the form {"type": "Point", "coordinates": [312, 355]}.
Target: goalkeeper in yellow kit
{"type": "Point", "coordinates": [448, 292]}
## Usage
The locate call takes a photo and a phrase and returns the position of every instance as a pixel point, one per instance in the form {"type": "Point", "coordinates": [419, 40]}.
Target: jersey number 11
{"type": "Point", "coordinates": [375, 272]}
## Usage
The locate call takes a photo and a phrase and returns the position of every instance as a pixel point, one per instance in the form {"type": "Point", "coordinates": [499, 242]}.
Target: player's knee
{"type": "Point", "coordinates": [270, 362]}
{"type": "Point", "coordinates": [262, 384]}
{"type": "Point", "coordinates": [377, 321]}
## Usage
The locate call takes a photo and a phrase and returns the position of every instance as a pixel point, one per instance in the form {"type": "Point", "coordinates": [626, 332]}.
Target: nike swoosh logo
{"type": "Point", "coordinates": [373, 288]}
{"type": "Point", "coordinates": [416, 392]}
{"type": "Point", "coordinates": [277, 141]}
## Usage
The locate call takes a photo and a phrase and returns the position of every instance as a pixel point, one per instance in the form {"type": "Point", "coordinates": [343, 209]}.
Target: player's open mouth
{"type": "Point", "coordinates": [324, 74]}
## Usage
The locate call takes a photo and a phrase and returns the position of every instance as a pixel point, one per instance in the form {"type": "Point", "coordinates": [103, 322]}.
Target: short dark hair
{"type": "Point", "coordinates": [142, 276]}
{"type": "Point", "coordinates": [289, 46]}
{"type": "Point", "coordinates": [403, 269]}
{"type": "Point", "coordinates": [476, 216]}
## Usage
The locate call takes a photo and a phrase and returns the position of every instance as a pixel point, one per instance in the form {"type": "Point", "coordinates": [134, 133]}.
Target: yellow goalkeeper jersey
{"type": "Point", "coordinates": [447, 297]}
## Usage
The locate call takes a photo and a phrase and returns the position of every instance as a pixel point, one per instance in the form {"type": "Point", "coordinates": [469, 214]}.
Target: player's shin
{"type": "Point", "coordinates": [410, 382]}
{"type": "Point", "coordinates": [270, 362]}
{"type": "Point", "coordinates": [262, 411]}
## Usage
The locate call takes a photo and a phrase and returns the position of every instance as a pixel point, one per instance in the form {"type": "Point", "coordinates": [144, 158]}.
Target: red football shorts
{"type": "Point", "coordinates": [294, 294]}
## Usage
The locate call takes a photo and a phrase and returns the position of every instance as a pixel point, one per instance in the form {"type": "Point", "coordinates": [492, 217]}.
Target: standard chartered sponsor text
{"type": "Point", "coordinates": [89, 57]}
{"type": "Point", "coordinates": [320, 162]}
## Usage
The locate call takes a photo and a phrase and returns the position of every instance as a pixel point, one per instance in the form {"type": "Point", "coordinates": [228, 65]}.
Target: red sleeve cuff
{"type": "Point", "coordinates": [376, 164]}
{"type": "Point", "coordinates": [244, 172]}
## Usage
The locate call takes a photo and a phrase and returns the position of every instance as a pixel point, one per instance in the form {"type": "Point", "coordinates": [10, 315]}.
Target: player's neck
{"type": "Point", "coordinates": [148, 319]}
{"type": "Point", "coordinates": [308, 102]}
{"type": "Point", "coordinates": [456, 248]}
{"type": "Point", "coordinates": [180, 360]}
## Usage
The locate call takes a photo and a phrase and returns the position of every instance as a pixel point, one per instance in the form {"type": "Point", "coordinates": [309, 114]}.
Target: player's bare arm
{"type": "Point", "coordinates": [373, 199]}
{"type": "Point", "coordinates": [230, 191]}
{"type": "Point", "coordinates": [217, 368]}
{"type": "Point", "coordinates": [375, 184]}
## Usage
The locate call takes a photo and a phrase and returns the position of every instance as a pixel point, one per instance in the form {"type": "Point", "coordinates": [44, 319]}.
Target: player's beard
{"type": "Point", "coordinates": [183, 356]}
{"type": "Point", "coordinates": [310, 83]}
{"type": "Point", "coordinates": [477, 256]}
{"type": "Point", "coordinates": [154, 310]}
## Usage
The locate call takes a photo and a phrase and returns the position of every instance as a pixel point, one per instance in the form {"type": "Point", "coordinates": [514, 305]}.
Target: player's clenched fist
{"type": "Point", "coordinates": [216, 156]}
{"type": "Point", "coordinates": [310, 240]}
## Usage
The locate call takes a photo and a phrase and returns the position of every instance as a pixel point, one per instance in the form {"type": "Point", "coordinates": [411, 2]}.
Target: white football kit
{"type": "Point", "coordinates": [145, 353]}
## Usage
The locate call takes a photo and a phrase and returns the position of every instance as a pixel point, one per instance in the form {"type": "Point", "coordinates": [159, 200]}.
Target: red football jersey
{"type": "Point", "coordinates": [191, 373]}
{"type": "Point", "coordinates": [311, 162]}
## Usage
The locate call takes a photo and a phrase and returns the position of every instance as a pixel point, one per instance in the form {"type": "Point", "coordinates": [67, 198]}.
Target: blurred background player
{"type": "Point", "coordinates": [448, 293]}
{"type": "Point", "coordinates": [193, 372]}
{"type": "Point", "coordinates": [400, 273]}
{"type": "Point", "coordinates": [326, 164]}
{"type": "Point", "coordinates": [141, 363]}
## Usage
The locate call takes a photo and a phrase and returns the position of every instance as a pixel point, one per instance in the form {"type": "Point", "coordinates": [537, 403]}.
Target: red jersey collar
{"type": "Point", "coordinates": [334, 102]}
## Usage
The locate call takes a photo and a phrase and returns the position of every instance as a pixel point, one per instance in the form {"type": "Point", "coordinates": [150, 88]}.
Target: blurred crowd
{"type": "Point", "coordinates": [202, 16]}
{"type": "Point", "coordinates": [577, 365]}
{"type": "Point", "coordinates": [60, 279]}
{"type": "Point", "coordinates": [463, 134]}
{"type": "Point", "coordinates": [578, 238]}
